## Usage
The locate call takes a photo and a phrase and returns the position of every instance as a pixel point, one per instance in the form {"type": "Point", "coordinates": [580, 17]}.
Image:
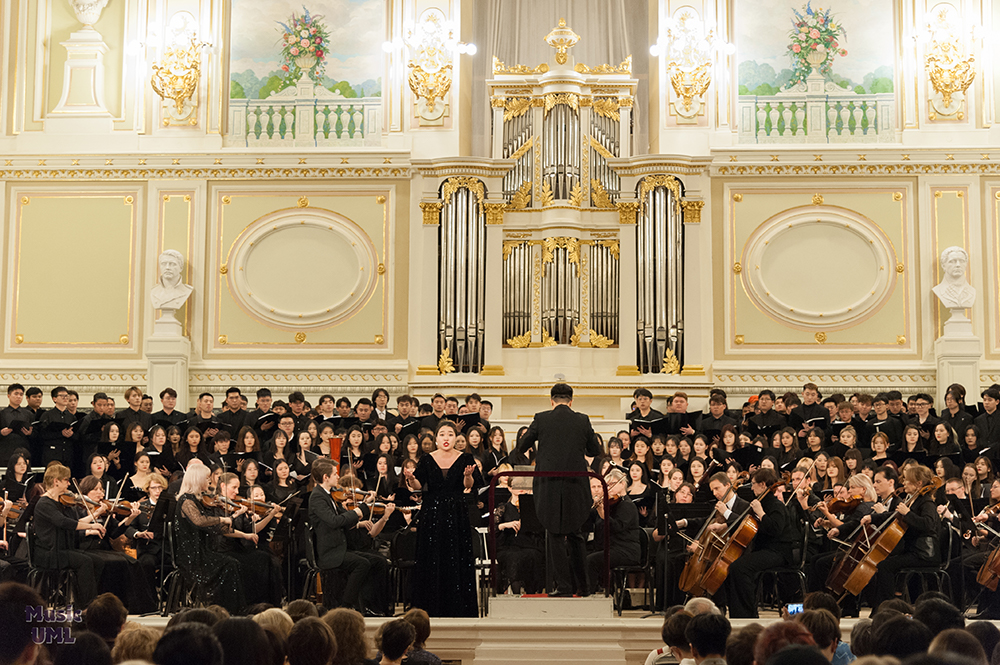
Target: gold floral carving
{"type": "Point", "coordinates": [522, 197]}
{"type": "Point", "coordinates": [737, 267]}
{"type": "Point", "coordinates": [445, 365]}
{"type": "Point", "coordinates": [497, 102]}
{"type": "Point", "coordinates": [607, 107]}
{"type": "Point", "coordinates": [600, 341]}
{"type": "Point", "coordinates": [613, 247]}
{"type": "Point", "coordinates": [432, 212]}
{"type": "Point", "coordinates": [536, 295]}
{"type": "Point", "coordinates": [300, 337]}
{"type": "Point", "coordinates": [627, 211]}
{"type": "Point", "coordinates": [688, 84]}
{"type": "Point", "coordinates": [624, 68]}
{"type": "Point", "coordinates": [494, 212]}
{"type": "Point", "coordinates": [521, 341]}
{"type": "Point", "coordinates": [900, 339]}
{"type": "Point", "coordinates": [500, 68]}
{"type": "Point", "coordinates": [379, 339]}
{"type": "Point", "coordinates": [576, 196]}
{"type": "Point", "coordinates": [739, 339]}
{"type": "Point", "coordinates": [948, 70]}
{"type": "Point", "coordinates": [820, 337]}
{"type": "Point", "coordinates": [578, 331]}
{"type": "Point", "coordinates": [562, 39]}
{"type": "Point", "coordinates": [817, 199]}
{"type": "Point", "coordinates": [303, 202]}
{"type": "Point", "coordinates": [547, 197]}
{"type": "Point", "coordinates": [381, 268]}
{"type": "Point", "coordinates": [515, 107]}
{"type": "Point", "coordinates": [649, 183]}
{"type": "Point", "coordinates": [601, 150]}
{"type": "Point", "coordinates": [451, 185]}
{"type": "Point", "coordinates": [670, 363]}
{"type": "Point", "coordinates": [429, 85]}
{"type": "Point", "coordinates": [547, 339]}
{"type": "Point", "coordinates": [692, 211]}
{"type": "Point", "coordinates": [177, 75]}
{"type": "Point", "coordinates": [523, 149]}
{"type": "Point", "coordinates": [571, 245]}
{"type": "Point", "coordinates": [223, 339]}
{"type": "Point", "coordinates": [554, 99]}
{"type": "Point", "coordinates": [600, 195]}
{"type": "Point", "coordinates": [223, 269]}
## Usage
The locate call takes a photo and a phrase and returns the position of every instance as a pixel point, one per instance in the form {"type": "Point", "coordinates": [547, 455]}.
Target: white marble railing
{"type": "Point", "coordinates": [829, 117]}
{"type": "Point", "coordinates": [305, 116]}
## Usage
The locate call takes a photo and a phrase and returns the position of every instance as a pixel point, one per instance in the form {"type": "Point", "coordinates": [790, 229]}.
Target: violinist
{"type": "Point", "coordinates": [116, 571]}
{"type": "Point", "coordinates": [55, 525]}
{"type": "Point", "coordinates": [919, 545]}
{"type": "Point", "coordinates": [841, 517]}
{"type": "Point", "coordinates": [624, 522]}
{"type": "Point", "coordinates": [149, 549]}
{"type": "Point", "coordinates": [520, 555]}
{"type": "Point", "coordinates": [988, 608]}
{"type": "Point", "coordinates": [261, 573]}
{"type": "Point", "coordinates": [770, 548]}
{"type": "Point", "coordinates": [217, 574]}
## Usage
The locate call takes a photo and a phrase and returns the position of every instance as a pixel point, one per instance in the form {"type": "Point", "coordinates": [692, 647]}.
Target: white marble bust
{"type": "Point", "coordinates": [953, 291]}
{"type": "Point", "coordinates": [170, 292]}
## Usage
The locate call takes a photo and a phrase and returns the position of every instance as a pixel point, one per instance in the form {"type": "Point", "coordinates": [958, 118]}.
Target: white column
{"type": "Point", "coordinates": [958, 353]}
{"type": "Point", "coordinates": [492, 358]}
{"type": "Point", "coordinates": [167, 354]}
{"type": "Point", "coordinates": [627, 314]}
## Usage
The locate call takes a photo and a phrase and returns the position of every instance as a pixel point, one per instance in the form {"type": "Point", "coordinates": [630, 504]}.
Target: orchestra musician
{"type": "Point", "coordinates": [988, 608]}
{"type": "Point", "coordinates": [770, 548]}
{"type": "Point", "coordinates": [623, 519]}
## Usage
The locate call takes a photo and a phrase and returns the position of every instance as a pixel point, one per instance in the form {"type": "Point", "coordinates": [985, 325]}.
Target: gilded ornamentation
{"type": "Point", "coordinates": [300, 337]}
{"type": "Point", "coordinates": [601, 150]}
{"type": "Point", "coordinates": [453, 184]}
{"type": "Point", "coordinates": [820, 337]}
{"type": "Point", "coordinates": [500, 68]}
{"type": "Point", "coordinates": [547, 197]}
{"type": "Point", "coordinates": [496, 102]}
{"type": "Point", "coordinates": [600, 341]}
{"type": "Point", "coordinates": [429, 86]}
{"type": "Point", "coordinates": [900, 339]}
{"type": "Point", "coordinates": [380, 200]}
{"type": "Point", "coordinates": [613, 247]}
{"type": "Point", "coordinates": [536, 295]}
{"type": "Point", "coordinates": [571, 245]}
{"type": "Point", "coordinates": [123, 339]}
{"type": "Point", "coordinates": [650, 183]}
{"type": "Point", "coordinates": [670, 363]}
{"type": "Point", "coordinates": [689, 59]}
{"type": "Point", "coordinates": [576, 196]}
{"type": "Point", "coordinates": [25, 200]}
{"type": "Point", "coordinates": [522, 197]}
{"type": "Point", "coordinates": [691, 84]}
{"type": "Point", "coordinates": [737, 197]}
{"type": "Point", "coordinates": [176, 78]}
{"type": "Point", "coordinates": [547, 339]}
{"type": "Point", "coordinates": [523, 149]}
{"type": "Point", "coordinates": [226, 200]}
{"type": "Point", "coordinates": [562, 39]}
{"type": "Point", "coordinates": [556, 98]}
{"type": "Point", "coordinates": [445, 365]}
{"type": "Point", "coordinates": [899, 268]}
{"type": "Point", "coordinates": [817, 199]}
{"type": "Point", "coordinates": [432, 46]}
{"type": "Point", "coordinates": [521, 341]}
{"type": "Point", "coordinates": [624, 68]}
{"type": "Point", "coordinates": [431, 211]}
{"type": "Point", "coordinates": [223, 339]}
{"type": "Point", "coordinates": [379, 339]}
{"type": "Point", "coordinates": [303, 202]}
{"type": "Point", "coordinates": [692, 211]}
{"type": "Point", "coordinates": [129, 200]}
{"type": "Point", "coordinates": [627, 211]}
{"type": "Point", "coordinates": [538, 175]}
{"type": "Point", "coordinates": [739, 339]}
{"type": "Point", "coordinates": [494, 212]}
{"type": "Point", "coordinates": [897, 196]}
{"type": "Point", "coordinates": [578, 332]}
{"type": "Point", "coordinates": [381, 268]}
{"type": "Point", "coordinates": [948, 62]}
{"type": "Point", "coordinates": [515, 107]}
{"type": "Point", "coordinates": [600, 195]}
{"type": "Point", "coordinates": [223, 269]}
{"type": "Point", "coordinates": [508, 247]}
{"type": "Point", "coordinates": [19, 339]}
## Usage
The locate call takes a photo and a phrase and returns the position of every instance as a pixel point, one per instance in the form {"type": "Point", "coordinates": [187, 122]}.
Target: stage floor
{"type": "Point", "coordinates": [547, 630]}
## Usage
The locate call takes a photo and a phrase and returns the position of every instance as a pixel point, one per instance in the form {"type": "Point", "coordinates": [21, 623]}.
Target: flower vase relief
{"type": "Point", "coordinates": [304, 44]}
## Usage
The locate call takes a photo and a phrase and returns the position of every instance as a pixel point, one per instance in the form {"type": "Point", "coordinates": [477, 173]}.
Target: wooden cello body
{"type": "Point", "coordinates": [989, 573]}
{"type": "Point", "coordinates": [718, 571]}
{"type": "Point", "coordinates": [697, 564]}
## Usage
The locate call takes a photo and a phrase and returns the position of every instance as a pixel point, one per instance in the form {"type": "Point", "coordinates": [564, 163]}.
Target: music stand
{"type": "Point", "coordinates": [673, 512]}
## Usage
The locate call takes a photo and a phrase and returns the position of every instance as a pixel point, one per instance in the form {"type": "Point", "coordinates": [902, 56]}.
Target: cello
{"type": "Point", "coordinates": [871, 547]}
{"type": "Point", "coordinates": [989, 573]}
{"type": "Point", "coordinates": [737, 543]}
{"type": "Point", "coordinates": [709, 543]}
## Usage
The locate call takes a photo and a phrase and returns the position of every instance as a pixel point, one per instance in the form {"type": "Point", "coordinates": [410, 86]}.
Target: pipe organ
{"type": "Point", "coordinates": [568, 196]}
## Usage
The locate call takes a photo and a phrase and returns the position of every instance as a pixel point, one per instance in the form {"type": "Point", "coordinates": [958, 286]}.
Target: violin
{"type": "Point", "coordinates": [259, 507]}
{"type": "Point", "coordinates": [70, 499]}
{"type": "Point", "coordinates": [348, 495]}
{"type": "Point", "coordinates": [847, 505]}
{"type": "Point", "coordinates": [378, 509]}
{"type": "Point", "coordinates": [217, 501]}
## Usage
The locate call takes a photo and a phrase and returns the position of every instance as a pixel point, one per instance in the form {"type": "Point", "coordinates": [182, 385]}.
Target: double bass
{"type": "Point", "coordinates": [870, 548]}
{"type": "Point", "coordinates": [737, 543]}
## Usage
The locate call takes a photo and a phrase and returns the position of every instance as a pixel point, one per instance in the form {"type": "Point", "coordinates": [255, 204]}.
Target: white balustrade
{"type": "Point", "coordinates": [828, 117]}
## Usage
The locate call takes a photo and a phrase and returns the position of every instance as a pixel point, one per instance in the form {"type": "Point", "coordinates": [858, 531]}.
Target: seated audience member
{"type": "Point", "coordinates": [275, 619]}
{"type": "Point", "coordinates": [135, 643]}
{"type": "Point", "coordinates": [900, 637]}
{"type": "Point", "coordinates": [421, 623]}
{"type": "Point", "coordinates": [16, 644]}
{"type": "Point", "coordinates": [243, 642]}
{"type": "Point", "coordinates": [777, 636]}
{"type": "Point", "coordinates": [820, 600]}
{"type": "Point", "coordinates": [188, 644]}
{"type": "Point", "coordinates": [674, 635]}
{"type": "Point", "coordinates": [987, 634]}
{"type": "Point", "coordinates": [797, 654]}
{"type": "Point", "coordinates": [279, 647]}
{"type": "Point", "coordinates": [201, 615]}
{"type": "Point", "coordinates": [938, 615]}
{"type": "Point", "coordinates": [349, 629]}
{"type": "Point", "coordinates": [394, 638]}
{"type": "Point", "coordinates": [824, 629]}
{"type": "Point", "coordinates": [861, 638]}
{"type": "Point", "coordinates": [739, 646]}
{"type": "Point", "coordinates": [958, 642]}
{"type": "Point", "coordinates": [105, 616]}
{"type": "Point", "coordinates": [311, 642]}
{"type": "Point", "coordinates": [87, 648]}
{"type": "Point", "coordinates": [707, 635]}
{"type": "Point", "coordinates": [300, 609]}
{"type": "Point", "coordinates": [699, 605]}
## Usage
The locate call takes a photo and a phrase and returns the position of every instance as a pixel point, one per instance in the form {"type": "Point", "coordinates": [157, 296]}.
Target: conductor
{"type": "Point", "coordinates": [563, 504]}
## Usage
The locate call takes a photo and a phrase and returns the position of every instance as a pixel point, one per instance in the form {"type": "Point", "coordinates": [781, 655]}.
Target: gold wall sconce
{"type": "Point", "coordinates": [949, 61]}
{"type": "Point", "coordinates": [177, 75]}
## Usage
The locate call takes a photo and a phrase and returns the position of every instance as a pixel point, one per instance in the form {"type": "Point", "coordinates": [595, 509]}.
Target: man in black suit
{"type": "Point", "coordinates": [329, 521]}
{"type": "Point", "coordinates": [564, 437]}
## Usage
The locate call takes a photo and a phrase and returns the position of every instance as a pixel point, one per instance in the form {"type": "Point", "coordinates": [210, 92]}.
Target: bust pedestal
{"type": "Point", "coordinates": [958, 353]}
{"type": "Point", "coordinates": [81, 106]}
{"type": "Point", "coordinates": [167, 353]}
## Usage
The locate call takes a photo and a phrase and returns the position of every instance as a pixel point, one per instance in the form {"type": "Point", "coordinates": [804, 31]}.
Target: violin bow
{"type": "Point", "coordinates": [114, 504]}
{"type": "Point", "coordinates": [805, 477]}
{"type": "Point", "coordinates": [5, 517]}
{"type": "Point", "coordinates": [83, 500]}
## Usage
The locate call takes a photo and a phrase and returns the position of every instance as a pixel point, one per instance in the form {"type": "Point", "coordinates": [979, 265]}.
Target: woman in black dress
{"type": "Point", "coordinates": [17, 478]}
{"type": "Point", "coordinates": [194, 525]}
{"type": "Point", "coordinates": [259, 569]}
{"type": "Point", "coordinates": [444, 582]}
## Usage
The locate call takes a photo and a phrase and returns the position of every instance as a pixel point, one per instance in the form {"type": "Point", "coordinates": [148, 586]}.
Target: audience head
{"type": "Point", "coordinates": [701, 606]}
{"type": "Point", "coordinates": [958, 642]}
{"type": "Point", "coordinates": [674, 634]}
{"type": "Point", "coordinates": [987, 634]}
{"type": "Point", "coordinates": [301, 608]}
{"type": "Point", "coordinates": [312, 642]}
{"type": "Point", "coordinates": [188, 644]}
{"type": "Point", "coordinates": [421, 623]}
{"type": "Point", "coordinates": [798, 654]}
{"type": "Point", "coordinates": [349, 629]}
{"type": "Point", "coordinates": [739, 646]}
{"type": "Point", "coordinates": [824, 629]}
{"type": "Point", "coordinates": [861, 638]}
{"type": "Point", "coordinates": [938, 615]}
{"type": "Point", "coordinates": [275, 619]}
{"type": "Point", "coordinates": [707, 635]}
{"type": "Point", "coordinates": [820, 600]}
{"type": "Point", "coordinates": [779, 635]}
{"type": "Point", "coordinates": [105, 616]}
{"type": "Point", "coordinates": [87, 648]}
{"type": "Point", "coordinates": [201, 615]}
{"type": "Point", "coordinates": [900, 636]}
{"type": "Point", "coordinates": [135, 643]}
{"type": "Point", "coordinates": [15, 638]}
{"type": "Point", "coordinates": [243, 642]}
{"type": "Point", "coordinates": [395, 637]}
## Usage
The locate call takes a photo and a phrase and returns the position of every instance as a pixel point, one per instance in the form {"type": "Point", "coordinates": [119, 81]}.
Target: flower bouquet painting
{"type": "Point", "coordinates": [304, 40]}
{"type": "Point", "coordinates": [814, 42]}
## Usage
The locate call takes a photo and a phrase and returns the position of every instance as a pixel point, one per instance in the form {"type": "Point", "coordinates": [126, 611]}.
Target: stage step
{"type": "Point", "coordinates": [540, 607]}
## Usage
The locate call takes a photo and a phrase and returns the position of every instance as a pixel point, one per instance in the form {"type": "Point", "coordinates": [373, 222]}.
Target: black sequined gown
{"type": "Point", "coordinates": [218, 574]}
{"type": "Point", "coordinates": [444, 580]}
